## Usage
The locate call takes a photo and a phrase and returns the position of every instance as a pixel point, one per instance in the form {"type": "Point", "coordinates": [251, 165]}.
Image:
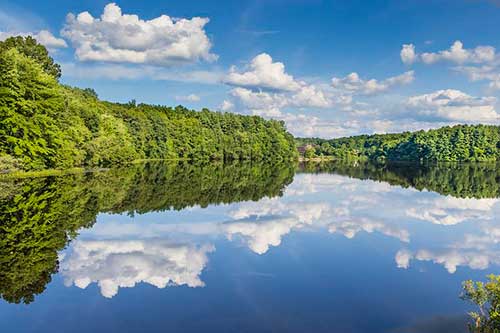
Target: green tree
{"type": "Point", "coordinates": [31, 48]}
{"type": "Point", "coordinates": [44, 124]}
{"type": "Point", "coordinates": [486, 296]}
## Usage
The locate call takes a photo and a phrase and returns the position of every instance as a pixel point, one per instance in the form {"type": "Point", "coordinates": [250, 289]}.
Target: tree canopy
{"type": "Point", "coordinates": [460, 143]}
{"type": "Point", "coordinates": [31, 48]}
{"type": "Point", "coordinates": [44, 124]}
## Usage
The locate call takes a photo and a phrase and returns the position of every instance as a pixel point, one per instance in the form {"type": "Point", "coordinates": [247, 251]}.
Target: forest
{"type": "Point", "coordinates": [47, 125]}
{"type": "Point", "coordinates": [460, 143]}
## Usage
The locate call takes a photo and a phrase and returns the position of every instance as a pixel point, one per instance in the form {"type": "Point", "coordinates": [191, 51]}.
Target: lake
{"type": "Point", "coordinates": [326, 247]}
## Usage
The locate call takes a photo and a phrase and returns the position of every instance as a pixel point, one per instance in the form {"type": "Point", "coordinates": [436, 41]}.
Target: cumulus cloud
{"type": "Point", "coordinates": [114, 264]}
{"type": "Point", "coordinates": [352, 83]}
{"type": "Point", "coordinates": [453, 105]}
{"type": "Point", "coordinates": [265, 88]}
{"type": "Point", "coordinates": [263, 224]}
{"type": "Point", "coordinates": [117, 37]}
{"type": "Point", "coordinates": [403, 258]}
{"type": "Point", "coordinates": [489, 72]}
{"type": "Point", "coordinates": [261, 235]}
{"type": "Point", "coordinates": [408, 55]}
{"type": "Point", "coordinates": [476, 251]}
{"type": "Point", "coordinates": [451, 259]}
{"type": "Point", "coordinates": [456, 54]}
{"type": "Point", "coordinates": [481, 63]}
{"type": "Point", "coordinates": [452, 211]}
{"type": "Point", "coordinates": [44, 37]}
{"type": "Point", "coordinates": [268, 101]}
{"type": "Point", "coordinates": [351, 227]}
{"type": "Point", "coordinates": [263, 72]}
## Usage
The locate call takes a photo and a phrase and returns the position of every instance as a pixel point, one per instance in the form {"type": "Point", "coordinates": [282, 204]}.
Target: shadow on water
{"type": "Point", "coordinates": [39, 216]}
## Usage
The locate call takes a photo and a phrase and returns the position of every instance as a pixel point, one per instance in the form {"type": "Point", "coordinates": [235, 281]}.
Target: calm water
{"type": "Point", "coordinates": [247, 248]}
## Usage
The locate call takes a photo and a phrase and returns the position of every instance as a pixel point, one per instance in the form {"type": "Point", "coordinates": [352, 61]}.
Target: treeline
{"type": "Point", "coordinates": [461, 143]}
{"type": "Point", "coordinates": [44, 124]}
{"type": "Point", "coordinates": [460, 180]}
{"type": "Point", "coordinates": [39, 216]}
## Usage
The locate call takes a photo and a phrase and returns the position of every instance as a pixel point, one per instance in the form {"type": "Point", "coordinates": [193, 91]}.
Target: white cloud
{"type": "Point", "coordinates": [44, 37]}
{"type": "Point", "coordinates": [456, 54]}
{"type": "Point", "coordinates": [188, 98]}
{"type": "Point", "coordinates": [259, 100]}
{"type": "Point", "coordinates": [259, 236]}
{"type": "Point", "coordinates": [403, 258]}
{"type": "Point", "coordinates": [265, 88]}
{"type": "Point", "coordinates": [451, 259]}
{"type": "Point", "coordinates": [114, 264]}
{"type": "Point", "coordinates": [226, 105]}
{"type": "Point", "coordinates": [351, 227]}
{"type": "Point", "coordinates": [453, 105]}
{"type": "Point", "coordinates": [489, 72]}
{"type": "Point", "coordinates": [352, 83]}
{"type": "Point", "coordinates": [452, 211]}
{"type": "Point", "coordinates": [272, 103]}
{"type": "Point", "coordinates": [481, 63]}
{"type": "Point", "coordinates": [310, 96]}
{"type": "Point", "coordinates": [117, 37]}
{"type": "Point", "coordinates": [270, 220]}
{"type": "Point", "coordinates": [408, 55]}
{"type": "Point", "coordinates": [263, 73]}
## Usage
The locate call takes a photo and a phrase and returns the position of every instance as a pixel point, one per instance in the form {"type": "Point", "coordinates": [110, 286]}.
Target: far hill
{"type": "Point", "coordinates": [460, 143]}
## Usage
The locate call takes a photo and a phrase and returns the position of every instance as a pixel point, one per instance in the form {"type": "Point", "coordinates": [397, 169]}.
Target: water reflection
{"type": "Point", "coordinates": [39, 216]}
{"type": "Point", "coordinates": [124, 263]}
{"type": "Point", "coordinates": [473, 180]}
{"type": "Point", "coordinates": [185, 210]}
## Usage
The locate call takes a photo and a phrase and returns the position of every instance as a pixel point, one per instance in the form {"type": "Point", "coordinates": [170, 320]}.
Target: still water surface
{"type": "Point", "coordinates": [247, 248]}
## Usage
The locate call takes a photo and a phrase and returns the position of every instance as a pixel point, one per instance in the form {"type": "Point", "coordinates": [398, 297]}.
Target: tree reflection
{"type": "Point", "coordinates": [473, 180]}
{"type": "Point", "coordinates": [39, 216]}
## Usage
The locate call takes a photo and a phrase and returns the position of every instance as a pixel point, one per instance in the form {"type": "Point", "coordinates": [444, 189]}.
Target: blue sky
{"type": "Point", "coordinates": [327, 68]}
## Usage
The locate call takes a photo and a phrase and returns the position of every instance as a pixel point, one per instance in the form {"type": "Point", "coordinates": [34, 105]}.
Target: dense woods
{"type": "Point", "coordinates": [461, 143]}
{"type": "Point", "coordinates": [39, 216]}
{"type": "Point", "coordinates": [44, 124]}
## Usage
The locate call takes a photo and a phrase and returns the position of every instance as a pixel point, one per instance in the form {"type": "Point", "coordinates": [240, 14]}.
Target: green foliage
{"type": "Point", "coordinates": [29, 105]}
{"type": "Point", "coordinates": [30, 48]}
{"type": "Point", "coordinates": [9, 164]}
{"type": "Point", "coordinates": [39, 216]}
{"type": "Point", "coordinates": [47, 125]}
{"type": "Point", "coordinates": [486, 296]}
{"type": "Point", "coordinates": [310, 152]}
{"type": "Point", "coordinates": [461, 143]}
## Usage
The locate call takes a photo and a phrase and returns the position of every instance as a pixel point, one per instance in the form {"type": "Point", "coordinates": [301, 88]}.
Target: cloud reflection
{"type": "Point", "coordinates": [114, 264]}
{"type": "Point", "coordinates": [125, 254]}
